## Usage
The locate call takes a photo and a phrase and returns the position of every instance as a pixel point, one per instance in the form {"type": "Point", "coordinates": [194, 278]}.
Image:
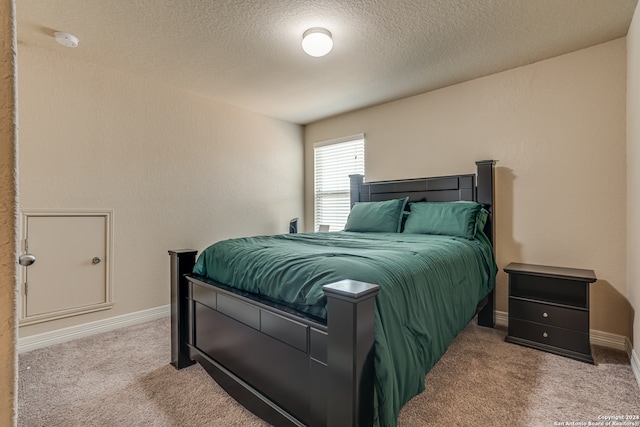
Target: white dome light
{"type": "Point", "coordinates": [317, 42]}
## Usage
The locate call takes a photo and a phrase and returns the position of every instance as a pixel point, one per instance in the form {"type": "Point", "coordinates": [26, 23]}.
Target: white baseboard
{"type": "Point", "coordinates": [502, 318]}
{"type": "Point", "coordinates": [635, 366]}
{"type": "Point", "coordinates": [606, 339]}
{"type": "Point", "coordinates": [86, 329]}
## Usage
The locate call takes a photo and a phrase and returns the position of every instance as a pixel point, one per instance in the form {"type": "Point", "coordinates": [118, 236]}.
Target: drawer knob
{"type": "Point", "coordinates": [545, 314]}
{"type": "Point", "coordinates": [544, 334]}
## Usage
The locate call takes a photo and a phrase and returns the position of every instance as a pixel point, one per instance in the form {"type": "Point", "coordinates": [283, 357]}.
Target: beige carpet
{"type": "Point", "coordinates": [122, 378]}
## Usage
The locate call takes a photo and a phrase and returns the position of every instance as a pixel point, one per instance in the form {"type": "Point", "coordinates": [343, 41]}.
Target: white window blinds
{"type": "Point", "coordinates": [333, 163]}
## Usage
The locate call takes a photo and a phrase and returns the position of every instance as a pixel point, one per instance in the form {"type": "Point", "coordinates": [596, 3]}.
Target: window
{"type": "Point", "coordinates": [334, 161]}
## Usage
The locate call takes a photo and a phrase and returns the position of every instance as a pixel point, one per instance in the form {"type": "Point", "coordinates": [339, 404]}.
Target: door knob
{"type": "Point", "coordinates": [96, 260]}
{"type": "Point", "coordinates": [26, 260]}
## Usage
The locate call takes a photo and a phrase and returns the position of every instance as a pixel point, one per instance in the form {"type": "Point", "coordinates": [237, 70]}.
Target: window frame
{"type": "Point", "coordinates": [343, 192]}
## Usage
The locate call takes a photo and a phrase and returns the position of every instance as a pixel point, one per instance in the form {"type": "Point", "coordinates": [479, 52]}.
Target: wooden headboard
{"type": "Point", "coordinates": [478, 187]}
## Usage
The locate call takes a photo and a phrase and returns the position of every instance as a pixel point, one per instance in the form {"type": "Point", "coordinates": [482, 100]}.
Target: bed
{"type": "Point", "coordinates": [352, 343]}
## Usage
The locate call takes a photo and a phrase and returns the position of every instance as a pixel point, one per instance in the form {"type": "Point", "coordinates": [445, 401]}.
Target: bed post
{"type": "Point", "coordinates": [484, 194]}
{"type": "Point", "coordinates": [485, 184]}
{"type": "Point", "coordinates": [350, 320]}
{"type": "Point", "coordinates": [182, 262]}
{"type": "Point", "coordinates": [355, 186]}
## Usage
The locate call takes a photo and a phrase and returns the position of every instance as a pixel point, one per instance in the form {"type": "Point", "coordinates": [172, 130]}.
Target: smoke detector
{"type": "Point", "coordinates": [66, 39]}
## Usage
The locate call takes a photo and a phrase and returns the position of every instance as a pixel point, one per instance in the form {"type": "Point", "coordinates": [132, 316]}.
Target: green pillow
{"type": "Point", "coordinates": [447, 218]}
{"type": "Point", "coordinates": [382, 217]}
{"type": "Point", "coordinates": [481, 219]}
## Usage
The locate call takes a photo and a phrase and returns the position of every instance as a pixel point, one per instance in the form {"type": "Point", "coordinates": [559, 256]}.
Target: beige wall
{"type": "Point", "coordinates": [8, 197]}
{"type": "Point", "coordinates": [633, 171]}
{"type": "Point", "coordinates": [557, 128]}
{"type": "Point", "coordinates": [179, 170]}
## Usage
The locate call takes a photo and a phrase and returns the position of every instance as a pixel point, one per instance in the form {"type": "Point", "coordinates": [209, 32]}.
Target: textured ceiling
{"type": "Point", "coordinates": [247, 53]}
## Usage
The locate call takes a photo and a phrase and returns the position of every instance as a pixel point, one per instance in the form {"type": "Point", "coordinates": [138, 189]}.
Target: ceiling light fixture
{"type": "Point", "coordinates": [66, 39]}
{"type": "Point", "coordinates": [317, 42]}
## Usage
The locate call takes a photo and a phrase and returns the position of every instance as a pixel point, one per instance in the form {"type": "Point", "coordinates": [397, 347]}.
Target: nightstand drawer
{"type": "Point", "coordinates": [550, 335]}
{"type": "Point", "coordinates": [567, 318]}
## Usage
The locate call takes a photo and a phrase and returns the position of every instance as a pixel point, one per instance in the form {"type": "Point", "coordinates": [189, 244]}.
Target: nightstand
{"type": "Point", "coordinates": [549, 309]}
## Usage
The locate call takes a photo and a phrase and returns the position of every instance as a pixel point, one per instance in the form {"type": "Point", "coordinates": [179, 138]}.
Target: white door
{"type": "Point", "coordinates": [70, 274]}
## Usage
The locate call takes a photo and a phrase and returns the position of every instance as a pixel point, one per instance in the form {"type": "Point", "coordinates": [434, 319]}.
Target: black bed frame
{"type": "Point", "coordinates": [287, 367]}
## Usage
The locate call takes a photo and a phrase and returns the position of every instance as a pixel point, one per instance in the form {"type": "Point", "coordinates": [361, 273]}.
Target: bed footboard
{"type": "Point", "coordinates": [337, 358]}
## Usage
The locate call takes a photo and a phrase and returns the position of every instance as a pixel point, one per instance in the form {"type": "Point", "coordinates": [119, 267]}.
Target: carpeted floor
{"type": "Point", "coordinates": [122, 378]}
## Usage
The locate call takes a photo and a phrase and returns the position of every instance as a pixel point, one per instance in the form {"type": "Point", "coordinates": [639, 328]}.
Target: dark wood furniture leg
{"type": "Point", "coordinates": [182, 262]}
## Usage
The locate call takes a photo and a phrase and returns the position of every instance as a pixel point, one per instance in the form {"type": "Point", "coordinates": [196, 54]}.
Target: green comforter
{"type": "Point", "coordinates": [429, 288]}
